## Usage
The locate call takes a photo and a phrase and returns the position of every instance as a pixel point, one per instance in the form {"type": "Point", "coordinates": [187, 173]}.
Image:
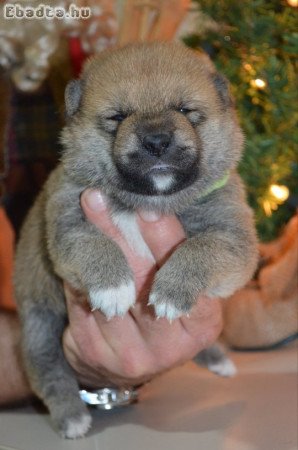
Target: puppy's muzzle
{"type": "Point", "coordinates": [157, 144]}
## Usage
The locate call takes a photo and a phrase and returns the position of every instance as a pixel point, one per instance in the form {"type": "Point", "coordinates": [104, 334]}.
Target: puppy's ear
{"type": "Point", "coordinates": [73, 95]}
{"type": "Point", "coordinates": [222, 87]}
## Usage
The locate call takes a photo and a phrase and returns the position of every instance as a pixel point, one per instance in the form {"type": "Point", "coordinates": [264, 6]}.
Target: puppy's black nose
{"type": "Point", "coordinates": [157, 143]}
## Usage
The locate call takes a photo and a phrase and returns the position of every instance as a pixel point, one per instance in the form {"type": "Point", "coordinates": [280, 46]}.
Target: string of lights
{"type": "Point", "coordinates": [255, 45]}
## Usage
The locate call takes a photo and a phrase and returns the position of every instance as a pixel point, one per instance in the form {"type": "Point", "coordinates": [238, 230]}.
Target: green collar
{"type": "Point", "coordinates": [216, 185]}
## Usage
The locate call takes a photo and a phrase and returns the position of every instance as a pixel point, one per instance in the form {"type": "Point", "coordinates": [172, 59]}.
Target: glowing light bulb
{"type": "Point", "coordinates": [247, 66]}
{"type": "Point", "coordinates": [293, 3]}
{"type": "Point", "coordinates": [280, 193]}
{"type": "Point", "coordinates": [258, 83]}
{"type": "Point", "coordinates": [267, 208]}
{"type": "Point", "coordinates": [277, 194]}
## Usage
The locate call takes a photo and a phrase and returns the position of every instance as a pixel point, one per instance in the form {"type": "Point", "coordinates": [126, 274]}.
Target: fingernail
{"type": "Point", "coordinates": [149, 216]}
{"type": "Point", "coordinates": [94, 200]}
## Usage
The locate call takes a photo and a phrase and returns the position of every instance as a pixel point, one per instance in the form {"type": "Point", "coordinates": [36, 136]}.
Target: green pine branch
{"type": "Point", "coordinates": [258, 39]}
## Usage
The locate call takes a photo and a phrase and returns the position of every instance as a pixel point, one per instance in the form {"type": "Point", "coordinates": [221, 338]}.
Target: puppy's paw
{"type": "Point", "coordinates": [217, 361]}
{"type": "Point", "coordinates": [224, 368]}
{"type": "Point", "coordinates": [164, 307]}
{"type": "Point", "coordinates": [173, 293]}
{"type": "Point", "coordinates": [113, 301]}
{"type": "Point", "coordinates": [76, 427]}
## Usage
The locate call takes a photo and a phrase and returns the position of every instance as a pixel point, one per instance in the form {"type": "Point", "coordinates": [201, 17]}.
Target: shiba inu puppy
{"type": "Point", "coordinates": [154, 127]}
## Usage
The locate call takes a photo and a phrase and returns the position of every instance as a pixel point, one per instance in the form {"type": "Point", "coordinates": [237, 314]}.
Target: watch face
{"type": "Point", "coordinates": [109, 398]}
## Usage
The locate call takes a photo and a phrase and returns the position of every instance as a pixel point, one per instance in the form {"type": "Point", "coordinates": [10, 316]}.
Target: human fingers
{"type": "Point", "coordinates": [169, 343]}
{"type": "Point", "coordinates": [112, 350]}
{"type": "Point", "coordinates": [162, 234]}
{"type": "Point", "coordinates": [176, 342]}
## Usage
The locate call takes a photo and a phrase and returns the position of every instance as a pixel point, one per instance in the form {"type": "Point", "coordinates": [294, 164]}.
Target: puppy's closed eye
{"type": "Point", "coordinates": [111, 122]}
{"type": "Point", "coordinates": [194, 115]}
{"type": "Point", "coordinates": [118, 117]}
{"type": "Point", "coordinates": [184, 111]}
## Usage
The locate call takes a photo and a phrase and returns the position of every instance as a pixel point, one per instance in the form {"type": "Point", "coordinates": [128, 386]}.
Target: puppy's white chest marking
{"type": "Point", "coordinates": [127, 224]}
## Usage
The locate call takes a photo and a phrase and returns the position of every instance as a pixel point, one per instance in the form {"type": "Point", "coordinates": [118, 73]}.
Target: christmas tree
{"type": "Point", "coordinates": [254, 43]}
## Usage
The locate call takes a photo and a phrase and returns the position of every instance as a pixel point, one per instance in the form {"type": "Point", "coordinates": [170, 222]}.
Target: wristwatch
{"type": "Point", "coordinates": [110, 398]}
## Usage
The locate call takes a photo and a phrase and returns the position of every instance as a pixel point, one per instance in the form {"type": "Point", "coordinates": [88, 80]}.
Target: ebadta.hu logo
{"type": "Point", "coordinates": [44, 11]}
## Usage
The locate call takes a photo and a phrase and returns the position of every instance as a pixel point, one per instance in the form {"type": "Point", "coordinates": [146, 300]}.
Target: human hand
{"type": "Point", "coordinates": [132, 349]}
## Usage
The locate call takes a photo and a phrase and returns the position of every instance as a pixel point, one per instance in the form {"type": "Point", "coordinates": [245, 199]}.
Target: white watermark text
{"type": "Point", "coordinates": [42, 11]}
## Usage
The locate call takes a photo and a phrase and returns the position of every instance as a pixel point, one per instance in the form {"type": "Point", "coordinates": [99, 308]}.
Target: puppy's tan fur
{"type": "Point", "coordinates": [153, 126]}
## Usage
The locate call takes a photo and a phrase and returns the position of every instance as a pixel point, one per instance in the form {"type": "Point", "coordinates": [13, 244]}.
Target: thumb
{"type": "Point", "coordinates": [162, 234]}
{"type": "Point", "coordinates": [96, 209]}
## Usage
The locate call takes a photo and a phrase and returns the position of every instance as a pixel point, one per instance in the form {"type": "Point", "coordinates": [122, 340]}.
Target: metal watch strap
{"type": "Point", "coordinates": [109, 398]}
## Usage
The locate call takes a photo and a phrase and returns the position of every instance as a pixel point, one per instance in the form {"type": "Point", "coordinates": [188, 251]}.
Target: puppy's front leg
{"type": "Point", "coordinates": [86, 258]}
{"type": "Point", "coordinates": [213, 263]}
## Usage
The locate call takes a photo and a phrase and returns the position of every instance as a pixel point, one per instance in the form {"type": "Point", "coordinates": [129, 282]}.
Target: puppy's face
{"type": "Point", "coordinates": [151, 124]}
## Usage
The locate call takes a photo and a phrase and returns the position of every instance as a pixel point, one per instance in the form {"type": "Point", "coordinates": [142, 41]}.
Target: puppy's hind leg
{"type": "Point", "coordinates": [51, 377]}
{"type": "Point", "coordinates": [216, 360]}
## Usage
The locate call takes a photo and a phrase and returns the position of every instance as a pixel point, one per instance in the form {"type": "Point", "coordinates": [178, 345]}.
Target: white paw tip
{"type": "Point", "coordinates": [225, 368]}
{"type": "Point", "coordinates": [76, 428]}
{"type": "Point", "coordinates": [113, 301]}
{"type": "Point", "coordinates": [165, 309]}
